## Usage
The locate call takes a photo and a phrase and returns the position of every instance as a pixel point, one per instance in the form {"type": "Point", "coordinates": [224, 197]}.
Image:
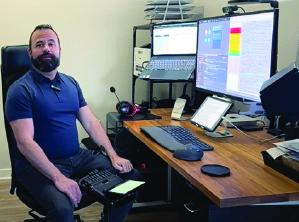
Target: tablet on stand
{"type": "Point", "coordinates": [209, 115]}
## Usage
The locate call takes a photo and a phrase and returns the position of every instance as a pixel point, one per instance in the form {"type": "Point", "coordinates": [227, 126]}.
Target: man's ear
{"type": "Point", "coordinates": [29, 52]}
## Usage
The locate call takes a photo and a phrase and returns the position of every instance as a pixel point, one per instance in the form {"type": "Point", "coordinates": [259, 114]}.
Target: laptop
{"type": "Point", "coordinates": [173, 51]}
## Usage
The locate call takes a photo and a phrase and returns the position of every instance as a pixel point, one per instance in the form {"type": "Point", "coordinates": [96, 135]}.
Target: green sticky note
{"type": "Point", "coordinates": [126, 186]}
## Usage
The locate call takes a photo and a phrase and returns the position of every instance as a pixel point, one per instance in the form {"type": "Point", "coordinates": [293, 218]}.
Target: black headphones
{"type": "Point", "coordinates": [125, 108]}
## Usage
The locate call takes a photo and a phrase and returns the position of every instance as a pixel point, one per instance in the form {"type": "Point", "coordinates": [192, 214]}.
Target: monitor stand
{"type": "Point", "coordinates": [219, 134]}
{"type": "Point", "coordinates": [254, 109]}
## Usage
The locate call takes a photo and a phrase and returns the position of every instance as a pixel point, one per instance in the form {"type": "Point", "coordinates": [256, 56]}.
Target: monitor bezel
{"type": "Point", "coordinates": [274, 55]}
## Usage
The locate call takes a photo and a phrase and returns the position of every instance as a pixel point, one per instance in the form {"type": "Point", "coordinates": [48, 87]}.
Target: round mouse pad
{"type": "Point", "coordinates": [215, 170]}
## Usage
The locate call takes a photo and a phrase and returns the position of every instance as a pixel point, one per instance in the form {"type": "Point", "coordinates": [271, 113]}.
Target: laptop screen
{"type": "Point", "coordinates": [174, 38]}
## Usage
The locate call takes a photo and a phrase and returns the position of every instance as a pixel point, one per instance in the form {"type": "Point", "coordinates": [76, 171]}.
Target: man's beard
{"type": "Point", "coordinates": [46, 65]}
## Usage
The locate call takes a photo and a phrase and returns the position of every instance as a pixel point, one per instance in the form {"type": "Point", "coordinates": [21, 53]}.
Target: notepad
{"type": "Point", "coordinates": [126, 186]}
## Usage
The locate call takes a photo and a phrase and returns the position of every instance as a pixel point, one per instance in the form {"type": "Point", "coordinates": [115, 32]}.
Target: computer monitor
{"type": "Point", "coordinates": [236, 54]}
{"type": "Point", "coordinates": [176, 38]}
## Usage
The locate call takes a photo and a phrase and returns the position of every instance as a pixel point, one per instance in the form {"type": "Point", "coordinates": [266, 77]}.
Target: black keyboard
{"type": "Point", "coordinates": [100, 181]}
{"type": "Point", "coordinates": [174, 137]}
{"type": "Point", "coordinates": [185, 137]}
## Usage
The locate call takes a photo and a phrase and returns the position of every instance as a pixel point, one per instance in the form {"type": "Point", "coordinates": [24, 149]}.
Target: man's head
{"type": "Point", "coordinates": [44, 48]}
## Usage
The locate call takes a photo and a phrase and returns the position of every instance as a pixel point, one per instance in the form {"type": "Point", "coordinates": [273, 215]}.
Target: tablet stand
{"type": "Point", "coordinates": [219, 134]}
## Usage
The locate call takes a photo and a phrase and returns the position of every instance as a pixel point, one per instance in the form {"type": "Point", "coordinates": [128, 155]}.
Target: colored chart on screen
{"type": "Point", "coordinates": [235, 41]}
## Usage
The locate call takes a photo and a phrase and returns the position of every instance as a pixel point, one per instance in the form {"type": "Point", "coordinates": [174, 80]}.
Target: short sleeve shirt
{"type": "Point", "coordinates": [53, 106]}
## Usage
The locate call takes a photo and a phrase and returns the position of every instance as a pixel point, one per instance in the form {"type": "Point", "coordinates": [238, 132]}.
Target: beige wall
{"type": "Point", "coordinates": [96, 40]}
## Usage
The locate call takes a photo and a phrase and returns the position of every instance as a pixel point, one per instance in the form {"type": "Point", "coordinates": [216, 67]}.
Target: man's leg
{"type": "Point", "coordinates": [88, 160]}
{"type": "Point", "coordinates": [57, 205]}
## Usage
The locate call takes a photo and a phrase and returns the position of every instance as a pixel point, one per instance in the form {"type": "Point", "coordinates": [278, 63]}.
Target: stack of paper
{"type": "Point", "coordinates": [172, 10]}
{"type": "Point", "coordinates": [289, 148]}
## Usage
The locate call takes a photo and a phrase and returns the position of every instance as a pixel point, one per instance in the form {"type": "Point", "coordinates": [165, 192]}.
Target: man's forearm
{"type": "Point", "coordinates": [36, 156]}
{"type": "Point", "coordinates": [98, 134]}
{"type": "Point", "coordinates": [95, 130]}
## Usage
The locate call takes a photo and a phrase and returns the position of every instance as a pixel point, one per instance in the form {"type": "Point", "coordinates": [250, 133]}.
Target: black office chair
{"type": "Point", "coordinates": [15, 63]}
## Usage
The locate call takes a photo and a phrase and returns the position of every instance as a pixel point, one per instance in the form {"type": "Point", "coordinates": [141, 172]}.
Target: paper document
{"type": "Point", "coordinates": [290, 145]}
{"type": "Point", "coordinates": [289, 148]}
{"type": "Point", "coordinates": [126, 186]}
{"type": "Point", "coordinates": [275, 152]}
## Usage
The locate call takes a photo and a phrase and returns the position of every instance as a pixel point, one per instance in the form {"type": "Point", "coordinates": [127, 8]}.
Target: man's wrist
{"type": "Point", "coordinates": [113, 156]}
{"type": "Point", "coordinates": [57, 177]}
{"type": "Point", "coordinates": [109, 150]}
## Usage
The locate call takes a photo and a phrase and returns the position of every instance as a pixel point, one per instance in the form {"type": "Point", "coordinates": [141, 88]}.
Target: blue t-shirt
{"type": "Point", "coordinates": [53, 111]}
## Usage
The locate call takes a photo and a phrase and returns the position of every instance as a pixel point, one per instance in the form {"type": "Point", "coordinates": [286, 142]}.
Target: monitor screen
{"type": "Point", "coordinates": [236, 54]}
{"type": "Point", "coordinates": [174, 38]}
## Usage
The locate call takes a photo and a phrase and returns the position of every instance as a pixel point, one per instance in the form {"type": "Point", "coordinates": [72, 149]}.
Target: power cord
{"type": "Point", "coordinates": [241, 9]}
{"type": "Point", "coordinates": [256, 138]}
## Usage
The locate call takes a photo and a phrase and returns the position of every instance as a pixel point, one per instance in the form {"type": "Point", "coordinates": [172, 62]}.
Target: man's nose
{"type": "Point", "coordinates": [46, 48]}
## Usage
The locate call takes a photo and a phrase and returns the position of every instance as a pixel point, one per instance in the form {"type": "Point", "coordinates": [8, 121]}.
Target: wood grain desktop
{"type": "Point", "coordinates": [250, 182]}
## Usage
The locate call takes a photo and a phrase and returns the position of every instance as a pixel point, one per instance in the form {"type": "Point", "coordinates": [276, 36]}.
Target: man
{"type": "Point", "coordinates": [42, 108]}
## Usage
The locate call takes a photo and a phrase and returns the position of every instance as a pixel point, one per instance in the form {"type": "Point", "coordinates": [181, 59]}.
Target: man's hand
{"type": "Point", "coordinates": [121, 164]}
{"type": "Point", "coordinates": [70, 188]}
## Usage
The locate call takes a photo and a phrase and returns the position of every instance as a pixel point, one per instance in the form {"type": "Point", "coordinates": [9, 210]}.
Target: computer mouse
{"type": "Point", "coordinates": [190, 153]}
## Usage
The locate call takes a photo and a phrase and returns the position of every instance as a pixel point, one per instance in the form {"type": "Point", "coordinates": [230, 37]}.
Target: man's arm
{"type": "Point", "coordinates": [95, 130]}
{"type": "Point", "coordinates": [23, 130]}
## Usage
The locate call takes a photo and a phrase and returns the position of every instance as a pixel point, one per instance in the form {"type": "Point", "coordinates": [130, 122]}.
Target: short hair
{"type": "Point", "coordinates": [40, 27]}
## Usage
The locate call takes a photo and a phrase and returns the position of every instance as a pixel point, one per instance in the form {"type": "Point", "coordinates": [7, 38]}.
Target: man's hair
{"type": "Point", "coordinates": [40, 27]}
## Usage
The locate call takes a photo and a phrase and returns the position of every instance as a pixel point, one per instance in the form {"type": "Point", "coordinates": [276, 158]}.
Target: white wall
{"type": "Point", "coordinates": [96, 41]}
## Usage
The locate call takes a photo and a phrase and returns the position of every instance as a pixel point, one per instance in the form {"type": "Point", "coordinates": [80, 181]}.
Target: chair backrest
{"type": "Point", "coordinates": [15, 63]}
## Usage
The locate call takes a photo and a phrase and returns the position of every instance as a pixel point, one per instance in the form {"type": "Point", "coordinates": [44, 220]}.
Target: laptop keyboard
{"type": "Point", "coordinates": [184, 136]}
{"type": "Point", "coordinates": [171, 64]}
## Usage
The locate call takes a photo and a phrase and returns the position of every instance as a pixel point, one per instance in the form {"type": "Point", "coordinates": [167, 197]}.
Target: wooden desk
{"type": "Point", "coordinates": [250, 182]}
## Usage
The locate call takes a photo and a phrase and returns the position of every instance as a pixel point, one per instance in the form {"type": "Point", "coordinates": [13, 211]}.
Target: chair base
{"type": "Point", "coordinates": [39, 218]}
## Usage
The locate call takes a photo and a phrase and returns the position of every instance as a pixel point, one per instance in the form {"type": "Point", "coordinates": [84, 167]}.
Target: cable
{"type": "Point", "coordinates": [144, 64]}
{"type": "Point", "coordinates": [256, 138]}
{"type": "Point", "coordinates": [241, 9]}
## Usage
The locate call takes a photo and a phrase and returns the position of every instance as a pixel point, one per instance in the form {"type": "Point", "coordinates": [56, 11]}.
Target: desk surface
{"type": "Point", "coordinates": [250, 182]}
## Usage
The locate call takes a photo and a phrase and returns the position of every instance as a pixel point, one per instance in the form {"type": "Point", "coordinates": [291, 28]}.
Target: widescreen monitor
{"type": "Point", "coordinates": [236, 54]}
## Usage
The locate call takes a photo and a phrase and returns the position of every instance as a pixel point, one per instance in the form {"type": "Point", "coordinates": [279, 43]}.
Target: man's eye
{"type": "Point", "coordinates": [39, 45]}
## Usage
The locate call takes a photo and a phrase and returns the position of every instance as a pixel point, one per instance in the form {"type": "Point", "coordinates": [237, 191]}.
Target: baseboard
{"type": "Point", "coordinates": [5, 174]}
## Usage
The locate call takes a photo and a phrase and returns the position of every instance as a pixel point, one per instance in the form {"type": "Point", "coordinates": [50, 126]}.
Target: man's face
{"type": "Point", "coordinates": [45, 50]}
